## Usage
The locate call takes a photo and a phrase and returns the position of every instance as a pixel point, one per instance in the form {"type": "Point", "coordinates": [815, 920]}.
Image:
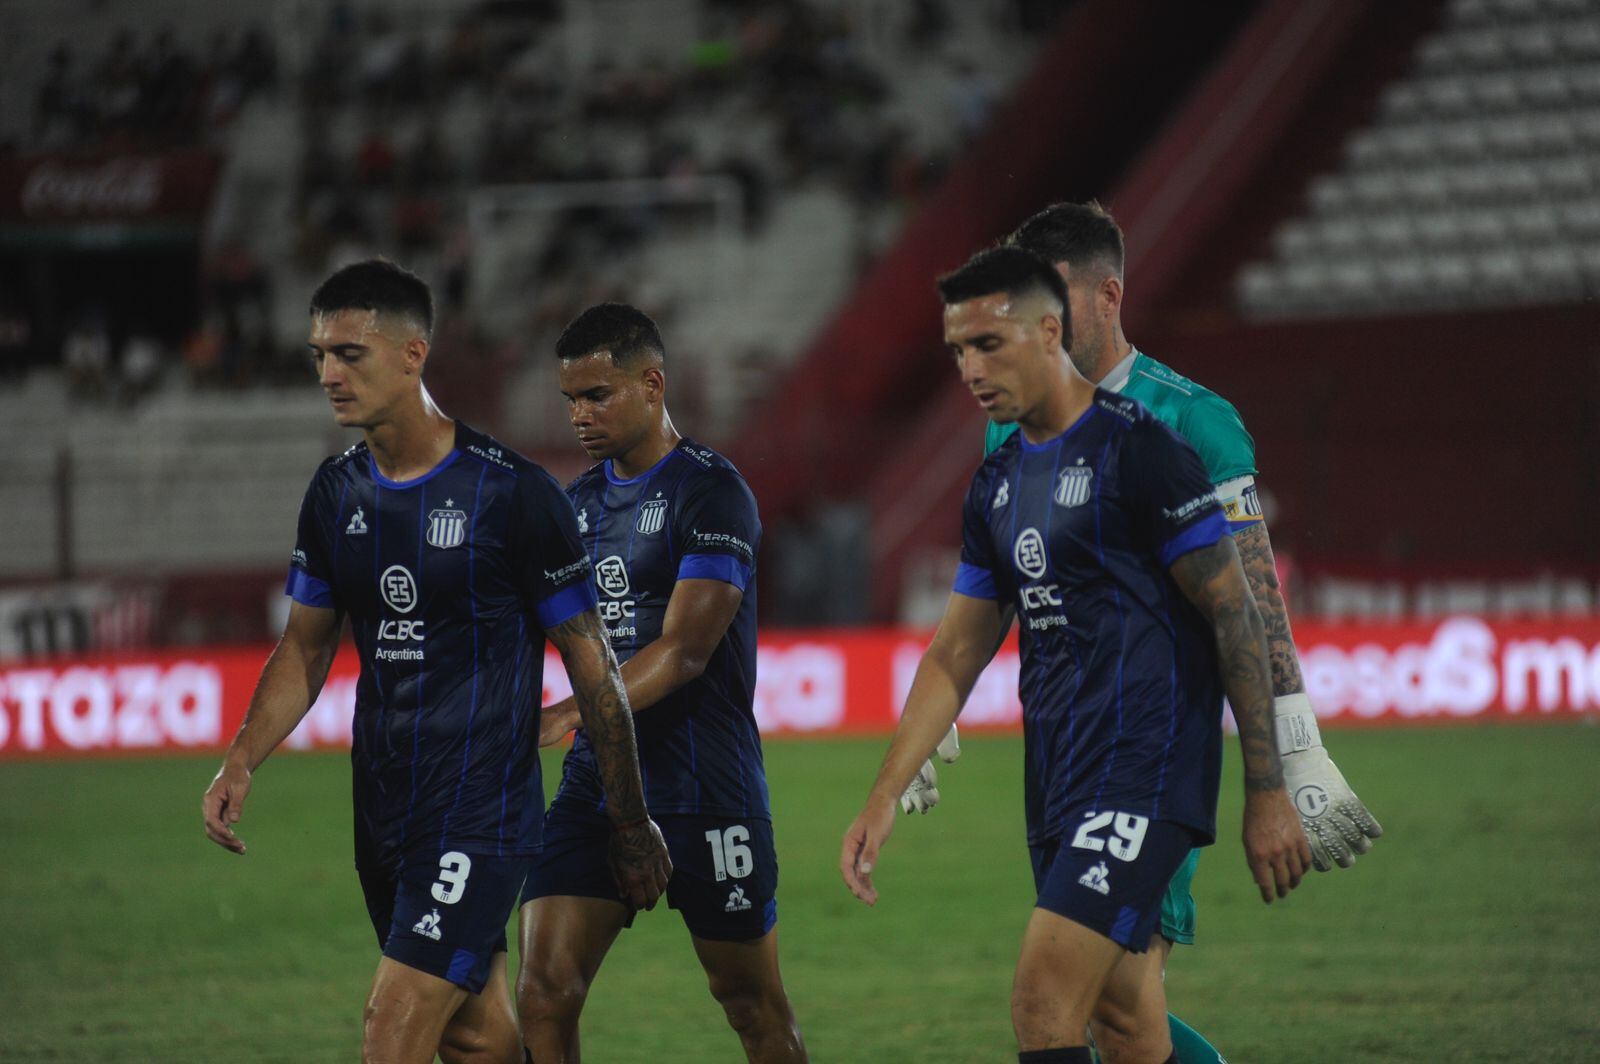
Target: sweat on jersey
{"type": "Point", "coordinates": [449, 581]}
{"type": "Point", "coordinates": [1208, 422]}
{"type": "Point", "coordinates": [690, 516]}
{"type": "Point", "coordinates": [1121, 698]}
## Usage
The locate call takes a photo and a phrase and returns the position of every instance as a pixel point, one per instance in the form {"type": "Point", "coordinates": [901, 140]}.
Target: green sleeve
{"type": "Point", "coordinates": [1213, 427]}
{"type": "Point", "coordinates": [995, 434]}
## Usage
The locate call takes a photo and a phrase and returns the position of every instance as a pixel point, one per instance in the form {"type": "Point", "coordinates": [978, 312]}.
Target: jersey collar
{"type": "Point", "coordinates": [619, 482]}
{"type": "Point", "coordinates": [1117, 379]}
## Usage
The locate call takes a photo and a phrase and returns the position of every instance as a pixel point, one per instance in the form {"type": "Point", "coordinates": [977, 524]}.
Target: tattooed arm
{"type": "Point", "coordinates": [1337, 822]}
{"type": "Point", "coordinates": [1260, 571]}
{"type": "Point", "coordinates": [1275, 845]}
{"type": "Point", "coordinates": [638, 853]}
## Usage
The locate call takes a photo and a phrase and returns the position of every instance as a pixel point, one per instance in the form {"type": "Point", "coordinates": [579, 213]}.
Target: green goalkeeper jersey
{"type": "Point", "coordinates": [1198, 414]}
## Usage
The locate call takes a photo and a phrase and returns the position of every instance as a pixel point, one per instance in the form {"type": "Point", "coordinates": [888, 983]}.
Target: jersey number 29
{"type": "Point", "coordinates": [1124, 845]}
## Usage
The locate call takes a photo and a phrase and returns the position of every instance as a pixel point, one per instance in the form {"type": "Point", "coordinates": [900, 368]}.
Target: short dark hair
{"type": "Point", "coordinates": [624, 331]}
{"type": "Point", "coordinates": [378, 285]}
{"type": "Point", "coordinates": [1010, 270]}
{"type": "Point", "coordinates": [1074, 233]}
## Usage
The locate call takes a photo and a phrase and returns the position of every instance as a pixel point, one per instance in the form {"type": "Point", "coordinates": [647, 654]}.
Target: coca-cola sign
{"type": "Point", "coordinates": [65, 188]}
{"type": "Point", "coordinates": [121, 186]}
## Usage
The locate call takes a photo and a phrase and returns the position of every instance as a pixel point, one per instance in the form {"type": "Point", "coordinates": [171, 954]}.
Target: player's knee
{"type": "Point", "coordinates": [544, 995]}
{"type": "Point", "coordinates": [751, 1009]}
{"type": "Point", "coordinates": [1040, 1014]}
{"type": "Point", "coordinates": [498, 1043]}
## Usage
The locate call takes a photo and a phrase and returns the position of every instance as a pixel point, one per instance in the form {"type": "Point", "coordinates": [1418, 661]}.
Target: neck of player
{"type": "Point", "coordinates": [1065, 398]}
{"type": "Point", "coordinates": [655, 445]}
{"type": "Point", "coordinates": [1111, 358]}
{"type": "Point", "coordinates": [413, 441]}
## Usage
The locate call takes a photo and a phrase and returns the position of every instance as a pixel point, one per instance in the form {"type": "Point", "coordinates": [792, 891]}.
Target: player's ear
{"type": "Point", "coordinates": [655, 384]}
{"type": "Point", "coordinates": [416, 354]}
{"type": "Point", "coordinates": [1051, 329]}
{"type": "Point", "coordinates": [1109, 294]}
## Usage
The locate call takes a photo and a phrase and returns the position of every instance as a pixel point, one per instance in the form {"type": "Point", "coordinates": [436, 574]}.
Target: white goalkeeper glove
{"type": "Point", "coordinates": [1337, 825]}
{"type": "Point", "coordinates": [923, 793]}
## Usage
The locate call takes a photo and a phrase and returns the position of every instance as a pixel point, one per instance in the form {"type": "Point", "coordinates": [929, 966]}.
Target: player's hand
{"type": "Point", "coordinates": [922, 793]}
{"type": "Point", "coordinates": [1337, 823]}
{"type": "Point", "coordinates": [861, 844]}
{"type": "Point", "coordinates": [557, 720]}
{"type": "Point", "coordinates": [640, 864]}
{"type": "Point", "coordinates": [1274, 843]}
{"type": "Point", "coordinates": [223, 804]}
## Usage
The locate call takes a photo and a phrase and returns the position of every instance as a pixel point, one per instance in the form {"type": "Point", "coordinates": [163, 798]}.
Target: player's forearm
{"type": "Point", "coordinates": [1211, 578]}
{"type": "Point", "coordinates": [649, 676]}
{"type": "Point", "coordinates": [1261, 571]}
{"type": "Point", "coordinates": [1242, 660]}
{"type": "Point", "coordinates": [289, 684]}
{"type": "Point", "coordinates": [657, 670]}
{"type": "Point", "coordinates": [602, 703]}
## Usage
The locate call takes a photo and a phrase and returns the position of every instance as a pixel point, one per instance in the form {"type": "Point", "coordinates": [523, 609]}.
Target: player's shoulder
{"type": "Point", "coordinates": [515, 469]}
{"type": "Point", "coordinates": [1161, 387]}
{"type": "Point", "coordinates": [591, 478]}
{"type": "Point", "coordinates": [707, 468]}
{"type": "Point", "coordinates": [997, 464]}
{"type": "Point", "coordinates": [338, 468]}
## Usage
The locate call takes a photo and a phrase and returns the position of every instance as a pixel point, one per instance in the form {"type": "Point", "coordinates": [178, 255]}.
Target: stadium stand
{"type": "Point", "coordinates": [1476, 184]}
{"type": "Point", "coordinates": [669, 147]}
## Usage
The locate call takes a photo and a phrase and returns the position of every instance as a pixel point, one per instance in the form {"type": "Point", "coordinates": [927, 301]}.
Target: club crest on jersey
{"type": "Point", "coordinates": [612, 576]}
{"type": "Point", "coordinates": [1073, 487]}
{"type": "Point", "coordinates": [399, 588]}
{"type": "Point", "coordinates": [652, 515]}
{"type": "Point", "coordinates": [1029, 554]}
{"type": "Point", "coordinates": [447, 527]}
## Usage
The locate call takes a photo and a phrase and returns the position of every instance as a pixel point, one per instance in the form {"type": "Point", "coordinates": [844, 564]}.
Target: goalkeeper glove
{"type": "Point", "coordinates": [923, 793]}
{"type": "Point", "coordinates": [1337, 824]}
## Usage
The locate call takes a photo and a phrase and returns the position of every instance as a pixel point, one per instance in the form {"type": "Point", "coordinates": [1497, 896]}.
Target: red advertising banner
{"type": "Point", "coordinates": [849, 681]}
{"type": "Point", "coordinates": [65, 188]}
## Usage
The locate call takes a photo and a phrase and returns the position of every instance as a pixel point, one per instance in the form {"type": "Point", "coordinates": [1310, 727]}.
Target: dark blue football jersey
{"type": "Point", "coordinates": [449, 581]}
{"type": "Point", "coordinates": [691, 516]}
{"type": "Point", "coordinates": [1121, 698]}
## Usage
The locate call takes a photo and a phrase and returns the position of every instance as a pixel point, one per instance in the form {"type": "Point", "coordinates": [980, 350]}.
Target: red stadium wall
{"type": "Point", "coordinates": [825, 683]}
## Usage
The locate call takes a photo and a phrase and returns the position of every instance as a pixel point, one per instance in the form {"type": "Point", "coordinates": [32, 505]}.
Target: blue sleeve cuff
{"type": "Point", "coordinates": [308, 590]}
{"type": "Point", "coordinates": [567, 604]}
{"type": "Point", "coordinates": [1203, 533]}
{"type": "Point", "coordinates": [975, 581]}
{"type": "Point", "coordinates": [1235, 527]}
{"type": "Point", "coordinates": [724, 567]}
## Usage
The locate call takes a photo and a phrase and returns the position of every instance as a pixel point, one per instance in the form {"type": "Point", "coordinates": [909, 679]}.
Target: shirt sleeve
{"type": "Point", "coordinates": [718, 525]}
{"type": "Point", "coordinates": [976, 575]}
{"type": "Point", "coordinates": [1172, 502]}
{"type": "Point", "coordinates": [553, 569]}
{"type": "Point", "coordinates": [1213, 427]}
{"type": "Point", "coordinates": [311, 565]}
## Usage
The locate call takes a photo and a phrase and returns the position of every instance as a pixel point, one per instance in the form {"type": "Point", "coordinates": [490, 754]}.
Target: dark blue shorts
{"type": "Point", "coordinates": [724, 869]}
{"type": "Point", "coordinates": [1109, 872]}
{"type": "Point", "coordinates": [446, 916]}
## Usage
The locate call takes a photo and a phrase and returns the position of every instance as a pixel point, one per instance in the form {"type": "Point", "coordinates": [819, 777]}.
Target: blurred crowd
{"type": "Point", "coordinates": [150, 93]}
{"type": "Point", "coordinates": [386, 163]}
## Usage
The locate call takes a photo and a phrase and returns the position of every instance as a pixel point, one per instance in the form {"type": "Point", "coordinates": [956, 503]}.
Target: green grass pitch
{"type": "Point", "coordinates": [1470, 934]}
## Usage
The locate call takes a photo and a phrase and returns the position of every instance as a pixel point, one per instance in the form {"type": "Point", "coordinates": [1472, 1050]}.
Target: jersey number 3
{"type": "Point", "coordinates": [729, 854]}
{"type": "Point", "coordinates": [454, 867]}
{"type": "Point", "coordinates": [1123, 845]}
